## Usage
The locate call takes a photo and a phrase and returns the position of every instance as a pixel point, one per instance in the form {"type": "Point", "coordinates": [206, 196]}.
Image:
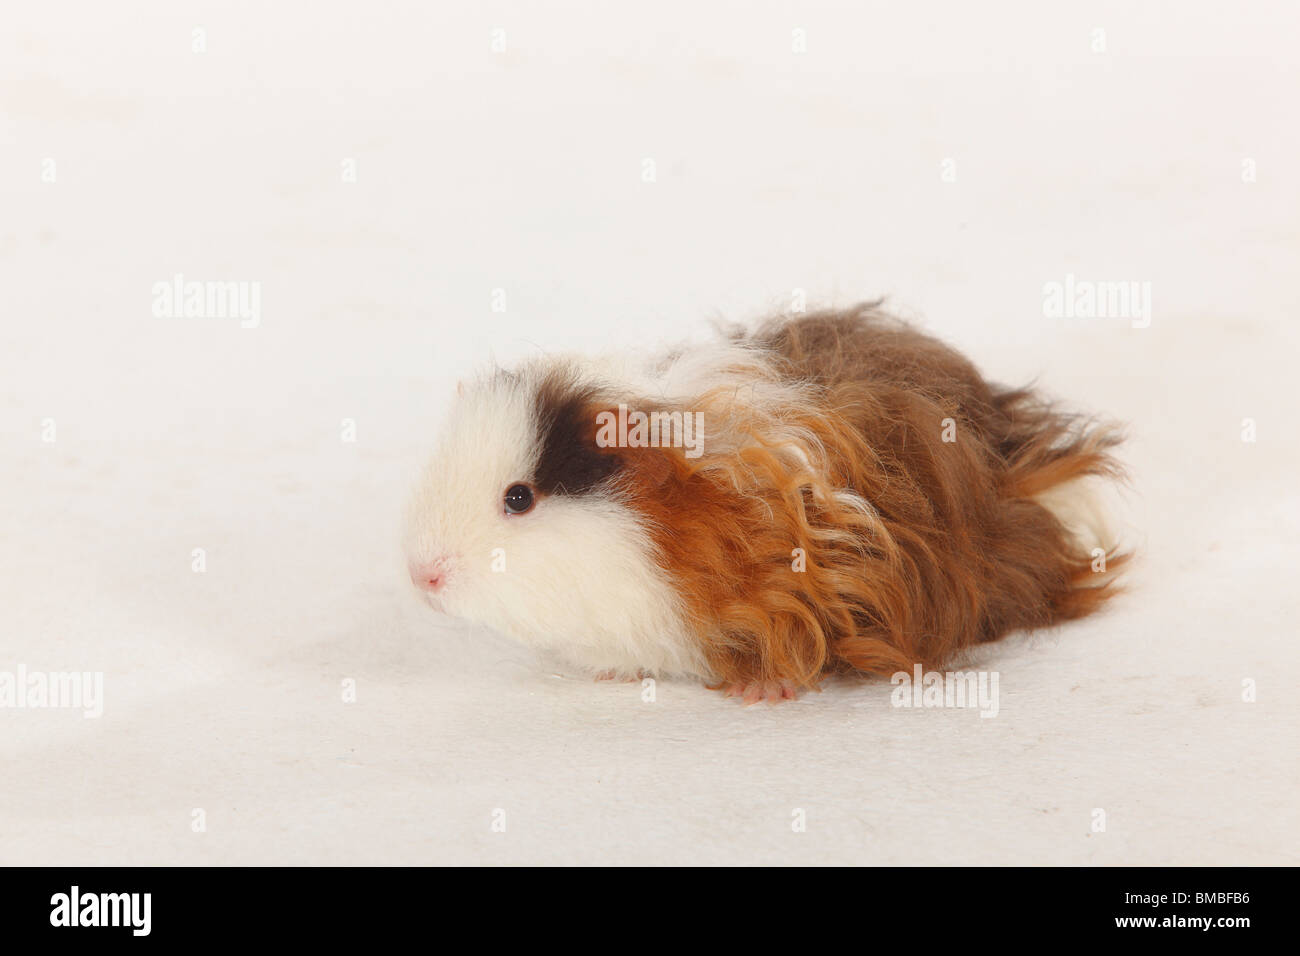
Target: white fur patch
{"type": "Point", "coordinates": [1087, 509]}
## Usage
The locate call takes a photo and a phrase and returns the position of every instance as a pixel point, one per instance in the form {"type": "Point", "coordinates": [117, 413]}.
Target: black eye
{"type": "Point", "coordinates": [518, 499]}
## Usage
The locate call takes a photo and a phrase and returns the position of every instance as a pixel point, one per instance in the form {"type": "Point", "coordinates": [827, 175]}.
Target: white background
{"type": "Point", "coordinates": [522, 170]}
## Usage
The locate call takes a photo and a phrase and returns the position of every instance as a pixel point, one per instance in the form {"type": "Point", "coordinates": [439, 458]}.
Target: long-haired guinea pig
{"type": "Point", "coordinates": [830, 493]}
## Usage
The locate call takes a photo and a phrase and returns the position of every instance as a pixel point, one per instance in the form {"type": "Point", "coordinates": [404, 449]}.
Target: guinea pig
{"type": "Point", "coordinates": [828, 493]}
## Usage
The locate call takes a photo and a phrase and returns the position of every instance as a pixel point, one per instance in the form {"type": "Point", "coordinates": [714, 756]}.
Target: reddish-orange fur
{"type": "Point", "coordinates": [953, 551]}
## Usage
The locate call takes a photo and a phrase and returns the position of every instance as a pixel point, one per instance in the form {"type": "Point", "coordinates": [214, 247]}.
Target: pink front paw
{"type": "Point", "coordinates": [772, 691]}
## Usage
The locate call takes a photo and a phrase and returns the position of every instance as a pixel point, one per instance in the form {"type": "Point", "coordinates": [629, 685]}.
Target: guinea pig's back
{"type": "Point", "coordinates": [891, 379]}
{"type": "Point", "coordinates": [860, 346]}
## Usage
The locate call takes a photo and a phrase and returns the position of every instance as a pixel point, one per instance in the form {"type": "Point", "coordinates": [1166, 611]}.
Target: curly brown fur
{"type": "Point", "coordinates": [914, 547]}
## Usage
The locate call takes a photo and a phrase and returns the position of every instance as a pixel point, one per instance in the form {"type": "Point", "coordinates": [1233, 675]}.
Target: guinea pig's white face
{"type": "Point", "coordinates": [457, 523]}
{"type": "Point", "coordinates": [570, 569]}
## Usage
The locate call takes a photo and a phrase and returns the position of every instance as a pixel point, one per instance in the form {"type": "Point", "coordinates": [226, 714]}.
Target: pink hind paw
{"type": "Point", "coordinates": [616, 675]}
{"type": "Point", "coordinates": [772, 691]}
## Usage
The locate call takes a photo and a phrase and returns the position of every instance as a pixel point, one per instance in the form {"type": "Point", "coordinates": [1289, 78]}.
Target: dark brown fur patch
{"type": "Point", "coordinates": [570, 462]}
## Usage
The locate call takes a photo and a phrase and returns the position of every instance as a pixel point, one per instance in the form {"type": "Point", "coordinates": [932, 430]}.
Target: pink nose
{"type": "Point", "coordinates": [429, 575]}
